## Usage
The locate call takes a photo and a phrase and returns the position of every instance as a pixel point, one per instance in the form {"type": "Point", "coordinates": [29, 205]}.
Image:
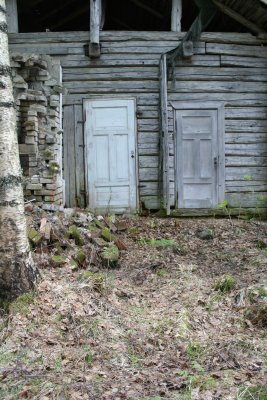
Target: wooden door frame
{"type": "Point", "coordinates": [86, 153]}
{"type": "Point", "coordinates": [204, 105]}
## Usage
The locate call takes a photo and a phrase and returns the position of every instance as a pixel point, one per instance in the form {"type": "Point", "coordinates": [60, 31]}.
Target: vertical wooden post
{"type": "Point", "coordinates": [164, 137]}
{"type": "Point", "coordinates": [12, 16]}
{"type": "Point", "coordinates": [95, 19]}
{"type": "Point", "coordinates": [176, 15]}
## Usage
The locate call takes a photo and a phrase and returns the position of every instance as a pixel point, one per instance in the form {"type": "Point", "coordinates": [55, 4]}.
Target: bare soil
{"type": "Point", "coordinates": [151, 328]}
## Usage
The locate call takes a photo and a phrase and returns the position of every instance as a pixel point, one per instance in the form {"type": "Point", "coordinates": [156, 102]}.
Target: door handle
{"type": "Point", "coordinates": [215, 161]}
{"type": "Point", "coordinates": [132, 154]}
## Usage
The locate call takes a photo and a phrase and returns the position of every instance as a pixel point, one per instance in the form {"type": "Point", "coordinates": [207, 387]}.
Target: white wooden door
{"type": "Point", "coordinates": [110, 153]}
{"type": "Point", "coordinates": [200, 158]}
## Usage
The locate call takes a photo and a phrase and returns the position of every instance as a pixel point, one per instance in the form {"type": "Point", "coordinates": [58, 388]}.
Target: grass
{"type": "Point", "coordinates": [137, 310]}
{"type": "Point", "coordinates": [22, 303]}
{"type": "Point", "coordinates": [6, 356]}
{"type": "Point", "coordinates": [161, 272]}
{"type": "Point", "coordinates": [225, 284]}
{"type": "Point", "coordinates": [194, 350]}
{"type": "Point", "coordinates": [253, 393]}
{"type": "Point", "coordinates": [88, 356]}
{"type": "Point", "coordinates": [135, 337]}
{"type": "Point", "coordinates": [201, 381]}
{"type": "Point", "coordinates": [134, 358]}
{"type": "Point", "coordinates": [158, 243]}
{"type": "Point", "coordinates": [98, 281]}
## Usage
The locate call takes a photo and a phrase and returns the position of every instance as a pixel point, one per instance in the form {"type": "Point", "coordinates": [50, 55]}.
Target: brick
{"type": "Point", "coordinates": [35, 180]}
{"type": "Point", "coordinates": [50, 139]}
{"type": "Point", "coordinates": [54, 103]}
{"type": "Point", "coordinates": [32, 113]}
{"type": "Point", "coordinates": [34, 186]}
{"type": "Point", "coordinates": [51, 186]}
{"type": "Point", "coordinates": [27, 149]}
{"type": "Point", "coordinates": [30, 140]}
{"type": "Point", "coordinates": [46, 180]}
{"type": "Point", "coordinates": [47, 174]}
{"type": "Point", "coordinates": [31, 128]}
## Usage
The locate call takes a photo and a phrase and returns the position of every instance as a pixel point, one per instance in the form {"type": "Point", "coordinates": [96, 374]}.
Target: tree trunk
{"type": "Point", "coordinates": [17, 271]}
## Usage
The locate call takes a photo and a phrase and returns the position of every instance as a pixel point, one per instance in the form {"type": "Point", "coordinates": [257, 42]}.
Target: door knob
{"type": "Point", "coordinates": [215, 161]}
{"type": "Point", "coordinates": [132, 154]}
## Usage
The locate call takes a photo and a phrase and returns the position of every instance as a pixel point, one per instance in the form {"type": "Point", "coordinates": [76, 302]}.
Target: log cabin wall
{"type": "Point", "coordinates": [225, 67]}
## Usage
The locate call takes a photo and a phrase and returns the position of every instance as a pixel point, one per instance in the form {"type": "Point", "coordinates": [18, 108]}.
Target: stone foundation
{"type": "Point", "coordinates": [37, 92]}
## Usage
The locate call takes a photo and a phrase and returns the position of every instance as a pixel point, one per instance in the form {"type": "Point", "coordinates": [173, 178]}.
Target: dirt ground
{"type": "Point", "coordinates": [176, 318]}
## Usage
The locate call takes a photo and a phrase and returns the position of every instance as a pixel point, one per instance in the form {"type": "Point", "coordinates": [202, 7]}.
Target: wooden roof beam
{"type": "Point", "coordinates": [69, 17]}
{"type": "Point", "coordinates": [147, 8]}
{"type": "Point", "coordinates": [176, 15]}
{"type": "Point", "coordinates": [122, 24]}
{"type": "Point", "coordinates": [239, 18]}
{"type": "Point", "coordinates": [56, 9]}
{"type": "Point", "coordinates": [12, 16]}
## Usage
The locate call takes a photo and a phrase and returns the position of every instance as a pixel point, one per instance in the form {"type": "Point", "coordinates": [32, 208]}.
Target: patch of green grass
{"type": "Point", "coordinates": [162, 325]}
{"type": "Point", "coordinates": [22, 303]}
{"type": "Point", "coordinates": [255, 293]}
{"type": "Point", "coordinates": [111, 255]}
{"type": "Point", "coordinates": [137, 310]}
{"type": "Point", "coordinates": [214, 299]}
{"type": "Point", "coordinates": [93, 328]}
{"type": "Point", "coordinates": [58, 365]}
{"type": "Point", "coordinates": [74, 233]}
{"type": "Point", "coordinates": [161, 272]}
{"type": "Point", "coordinates": [262, 292]}
{"type": "Point", "coordinates": [10, 391]}
{"type": "Point", "coordinates": [189, 376]}
{"type": "Point", "coordinates": [4, 306]}
{"type": "Point", "coordinates": [133, 230]}
{"type": "Point", "coordinates": [194, 350]}
{"type": "Point", "coordinates": [157, 243]}
{"type": "Point", "coordinates": [6, 356]}
{"type": "Point", "coordinates": [262, 245]}
{"type": "Point", "coordinates": [183, 324]}
{"type": "Point", "coordinates": [143, 240]}
{"type": "Point", "coordinates": [36, 385]}
{"type": "Point", "coordinates": [197, 367]}
{"type": "Point", "coordinates": [98, 281]}
{"type": "Point", "coordinates": [254, 262]}
{"type": "Point", "coordinates": [253, 393]}
{"type": "Point", "coordinates": [152, 224]}
{"type": "Point", "coordinates": [225, 284]}
{"type": "Point", "coordinates": [88, 357]}
{"type": "Point", "coordinates": [201, 381]}
{"type": "Point", "coordinates": [134, 358]}
{"type": "Point", "coordinates": [148, 398]}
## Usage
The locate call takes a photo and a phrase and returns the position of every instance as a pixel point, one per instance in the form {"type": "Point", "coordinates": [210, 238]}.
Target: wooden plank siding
{"type": "Point", "coordinates": [225, 67]}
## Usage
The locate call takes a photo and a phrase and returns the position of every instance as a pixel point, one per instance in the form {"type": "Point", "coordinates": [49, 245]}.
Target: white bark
{"type": "Point", "coordinates": [17, 273]}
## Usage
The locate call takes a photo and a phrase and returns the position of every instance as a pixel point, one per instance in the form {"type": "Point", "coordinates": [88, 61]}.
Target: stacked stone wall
{"type": "Point", "coordinates": [37, 91]}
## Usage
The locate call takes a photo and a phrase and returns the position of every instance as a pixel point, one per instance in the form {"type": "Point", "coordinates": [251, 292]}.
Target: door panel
{"type": "Point", "coordinates": [110, 150]}
{"type": "Point", "coordinates": [197, 155]}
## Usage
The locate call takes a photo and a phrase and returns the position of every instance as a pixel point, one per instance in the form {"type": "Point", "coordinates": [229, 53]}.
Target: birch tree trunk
{"type": "Point", "coordinates": [17, 271]}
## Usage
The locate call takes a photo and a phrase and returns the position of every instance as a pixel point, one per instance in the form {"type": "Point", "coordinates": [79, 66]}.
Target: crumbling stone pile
{"type": "Point", "coordinates": [74, 238]}
{"type": "Point", "coordinates": [37, 92]}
